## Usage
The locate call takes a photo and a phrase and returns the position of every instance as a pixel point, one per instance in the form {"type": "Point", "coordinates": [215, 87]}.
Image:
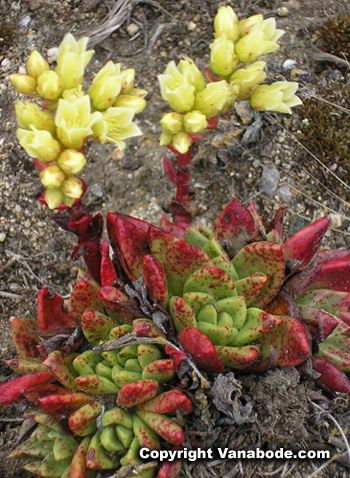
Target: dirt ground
{"type": "Point", "coordinates": [253, 156]}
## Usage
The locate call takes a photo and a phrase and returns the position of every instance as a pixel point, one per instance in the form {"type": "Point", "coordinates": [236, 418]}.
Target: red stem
{"type": "Point", "coordinates": [183, 178]}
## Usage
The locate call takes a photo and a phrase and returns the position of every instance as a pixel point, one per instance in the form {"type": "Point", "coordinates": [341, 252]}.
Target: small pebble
{"type": "Point", "coordinates": [132, 29]}
{"type": "Point", "coordinates": [2, 236]}
{"type": "Point", "coordinates": [289, 64]}
{"type": "Point", "coordinates": [336, 220]}
{"type": "Point", "coordinates": [282, 12]}
{"type": "Point", "coordinates": [52, 54]}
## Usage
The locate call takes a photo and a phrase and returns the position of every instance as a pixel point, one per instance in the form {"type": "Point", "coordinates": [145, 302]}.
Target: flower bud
{"type": "Point", "coordinates": [39, 144]}
{"type": "Point", "coordinates": [251, 46]}
{"type": "Point", "coordinates": [29, 114]}
{"type": "Point", "coordinates": [226, 24]}
{"type": "Point", "coordinates": [249, 78]}
{"type": "Point", "coordinates": [71, 161]}
{"type": "Point", "coordinates": [52, 177]}
{"type": "Point", "coordinates": [222, 56]}
{"type": "Point", "coordinates": [165, 139]}
{"type": "Point", "coordinates": [106, 86]}
{"type": "Point", "coordinates": [192, 73]}
{"type": "Point", "coordinates": [49, 85]}
{"type": "Point", "coordinates": [247, 24]}
{"type": "Point", "coordinates": [72, 187]}
{"type": "Point", "coordinates": [195, 122]}
{"type": "Point", "coordinates": [24, 84]}
{"type": "Point", "coordinates": [36, 64]}
{"type": "Point", "coordinates": [130, 101]}
{"type": "Point", "coordinates": [280, 97]}
{"type": "Point", "coordinates": [171, 123]}
{"type": "Point", "coordinates": [53, 198]}
{"type": "Point", "coordinates": [213, 98]}
{"type": "Point", "coordinates": [127, 80]}
{"type": "Point", "coordinates": [73, 120]}
{"type": "Point", "coordinates": [182, 142]}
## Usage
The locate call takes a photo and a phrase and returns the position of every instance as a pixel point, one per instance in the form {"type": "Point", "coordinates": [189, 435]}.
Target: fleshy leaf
{"type": "Point", "coordinates": [264, 258]}
{"type": "Point", "coordinates": [238, 357]}
{"type": "Point", "coordinates": [159, 240]}
{"type": "Point", "coordinates": [168, 402]}
{"type": "Point", "coordinates": [24, 339]}
{"type": "Point", "coordinates": [137, 392]}
{"type": "Point", "coordinates": [334, 275]}
{"type": "Point", "coordinates": [212, 280]}
{"type": "Point", "coordinates": [108, 272]}
{"type": "Point", "coordinates": [119, 305]}
{"type": "Point", "coordinates": [95, 326]}
{"type": "Point", "coordinates": [336, 349]}
{"type": "Point", "coordinates": [257, 323]}
{"type": "Point", "coordinates": [331, 378]}
{"type": "Point", "coordinates": [163, 426]}
{"type": "Point", "coordinates": [202, 350]}
{"type": "Point", "coordinates": [84, 296]}
{"type": "Point", "coordinates": [64, 403]}
{"type": "Point", "coordinates": [182, 314]}
{"type": "Point", "coordinates": [250, 287]}
{"type": "Point", "coordinates": [82, 422]}
{"type": "Point", "coordinates": [155, 280]}
{"type": "Point", "coordinates": [320, 323]}
{"type": "Point", "coordinates": [51, 313]}
{"type": "Point", "coordinates": [299, 250]}
{"type": "Point", "coordinates": [13, 390]}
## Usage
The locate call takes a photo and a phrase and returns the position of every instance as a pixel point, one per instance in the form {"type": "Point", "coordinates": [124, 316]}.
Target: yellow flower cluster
{"type": "Point", "coordinates": [233, 57]}
{"type": "Point", "coordinates": [56, 132]}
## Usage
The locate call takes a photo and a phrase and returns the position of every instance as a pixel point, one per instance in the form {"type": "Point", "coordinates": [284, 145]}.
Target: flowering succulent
{"type": "Point", "coordinates": [57, 136]}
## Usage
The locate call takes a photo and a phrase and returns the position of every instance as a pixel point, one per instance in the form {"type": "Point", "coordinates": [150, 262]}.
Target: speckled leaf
{"type": "Point", "coordinates": [145, 435]}
{"type": "Point", "coordinates": [52, 468]}
{"type": "Point", "coordinates": [234, 226]}
{"type": "Point", "coordinates": [13, 390]}
{"type": "Point", "coordinates": [336, 349]}
{"type": "Point", "coordinates": [96, 326]}
{"type": "Point", "coordinates": [217, 334]}
{"type": "Point", "coordinates": [64, 403]}
{"type": "Point", "coordinates": [96, 385]}
{"type": "Point", "coordinates": [182, 313]}
{"type": "Point", "coordinates": [146, 328]}
{"type": "Point", "coordinates": [78, 465]}
{"type": "Point", "coordinates": [170, 469]}
{"type": "Point", "coordinates": [82, 422]}
{"type": "Point", "coordinates": [155, 280]}
{"type": "Point", "coordinates": [331, 378]}
{"type": "Point", "coordinates": [250, 287]}
{"type": "Point", "coordinates": [334, 274]}
{"type": "Point", "coordinates": [235, 307]}
{"type": "Point", "coordinates": [168, 402]}
{"type": "Point", "coordinates": [202, 350]}
{"type": "Point", "coordinates": [131, 236]}
{"type": "Point", "coordinates": [320, 323]}
{"type": "Point", "coordinates": [118, 305]}
{"type": "Point", "coordinates": [160, 370]}
{"type": "Point", "coordinates": [163, 426]}
{"type": "Point", "coordinates": [108, 272]}
{"type": "Point", "coordinates": [301, 247]}
{"type": "Point", "coordinates": [24, 339]}
{"type": "Point", "coordinates": [97, 458]}
{"type": "Point", "coordinates": [291, 341]}
{"type": "Point", "coordinates": [23, 366]}
{"type": "Point", "coordinates": [59, 368]}
{"type": "Point", "coordinates": [257, 323]}
{"type": "Point", "coordinates": [227, 266]}
{"type": "Point", "coordinates": [84, 296]}
{"type": "Point", "coordinates": [331, 301]}
{"type": "Point", "coordinates": [264, 258]}
{"type": "Point", "coordinates": [238, 357]}
{"type": "Point", "coordinates": [259, 225]}
{"type": "Point", "coordinates": [50, 311]}
{"type": "Point", "coordinates": [64, 447]}
{"type": "Point", "coordinates": [137, 392]}
{"type": "Point", "coordinates": [197, 300]}
{"type": "Point", "coordinates": [211, 280]}
{"type": "Point", "coordinates": [181, 260]}
{"type": "Point", "coordinates": [159, 240]}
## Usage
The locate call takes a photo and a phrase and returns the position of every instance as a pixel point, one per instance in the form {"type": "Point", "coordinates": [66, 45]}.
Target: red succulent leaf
{"type": "Point", "coordinates": [96, 326]}
{"type": "Point", "coordinates": [33, 394]}
{"type": "Point", "coordinates": [202, 350]}
{"type": "Point", "coordinates": [23, 337]}
{"type": "Point", "coordinates": [119, 305]}
{"type": "Point", "coordinates": [155, 280]}
{"type": "Point", "coordinates": [177, 355]}
{"type": "Point", "coordinates": [334, 302]}
{"type": "Point", "coordinates": [146, 328]}
{"type": "Point", "coordinates": [108, 273]}
{"type": "Point", "coordinates": [168, 402]}
{"type": "Point", "coordinates": [330, 255]}
{"type": "Point", "coordinates": [163, 426]}
{"type": "Point", "coordinates": [181, 260]}
{"type": "Point", "coordinates": [85, 295]}
{"type": "Point", "coordinates": [170, 469]}
{"type": "Point", "coordinates": [300, 249]}
{"type": "Point", "coordinates": [212, 122]}
{"type": "Point", "coordinates": [78, 465]}
{"type": "Point", "coordinates": [137, 392]}
{"type": "Point", "coordinates": [64, 403]}
{"type": "Point", "coordinates": [277, 223]}
{"type": "Point", "coordinates": [170, 170]}
{"type": "Point", "coordinates": [291, 340]}
{"type": "Point", "coordinates": [51, 313]}
{"type": "Point", "coordinates": [131, 237]}
{"type": "Point", "coordinates": [334, 274]}
{"type": "Point", "coordinates": [176, 229]}
{"type": "Point", "coordinates": [300, 282]}
{"type": "Point", "coordinates": [238, 357]}
{"type": "Point", "coordinates": [331, 378]}
{"type": "Point", "coordinates": [266, 258]}
{"type": "Point", "coordinates": [13, 390]}
{"type": "Point", "coordinates": [159, 240]}
{"type": "Point", "coordinates": [320, 323]}
{"type": "Point", "coordinates": [234, 226]}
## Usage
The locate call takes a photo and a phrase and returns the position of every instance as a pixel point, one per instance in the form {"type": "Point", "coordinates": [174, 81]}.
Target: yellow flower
{"type": "Point", "coordinates": [247, 24]}
{"type": "Point", "coordinates": [176, 89]}
{"type": "Point", "coordinates": [191, 72]}
{"type": "Point", "coordinates": [71, 161]}
{"type": "Point", "coordinates": [73, 121]}
{"type": "Point", "coordinates": [131, 101]}
{"type": "Point", "coordinates": [72, 59]}
{"type": "Point", "coordinates": [52, 177]}
{"type": "Point", "coordinates": [73, 94]}
{"type": "Point", "coordinates": [171, 122]}
{"type": "Point", "coordinates": [226, 24]}
{"type": "Point", "coordinates": [222, 56]}
{"type": "Point", "coordinates": [24, 84]}
{"type": "Point", "coordinates": [249, 78]}
{"type": "Point", "coordinates": [36, 64]}
{"type": "Point", "coordinates": [213, 99]}
{"type": "Point", "coordinates": [165, 139]}
{"type": "Point", "coordinates": [127, 80]}
{"type": "Point", "coordinates": [53, 198]}
{"type": "Point", "coordinates": [106, 86]}
{"type": "Point", "coordinates": [182, 142]}
{"type": "Point", "coordinates": [72, 187]}
{"type": "Point", "coordinates": [114, 125]}
{"type": "Point", "coordinates": [29, 114]}
{"type": "Point", "coordinates": [49, 85]}
{"type": "Point", "coordinates": [39, 144]}
{"type": "Point", "coordinates": [195, 122]}
{"type": "Point", "coordinates": [280, 97]}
